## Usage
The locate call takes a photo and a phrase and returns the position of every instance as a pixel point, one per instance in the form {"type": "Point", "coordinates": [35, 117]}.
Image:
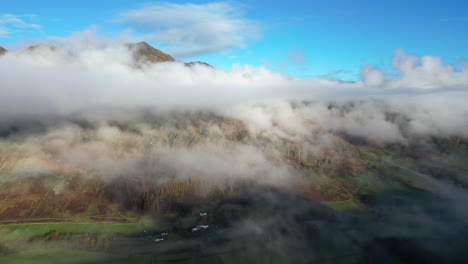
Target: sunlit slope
{"type": "Point", "coordinates": [124, 170]}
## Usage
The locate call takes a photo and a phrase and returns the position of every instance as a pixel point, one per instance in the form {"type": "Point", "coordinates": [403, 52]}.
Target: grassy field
{"type": "Point", "coordinates": [24, 231]}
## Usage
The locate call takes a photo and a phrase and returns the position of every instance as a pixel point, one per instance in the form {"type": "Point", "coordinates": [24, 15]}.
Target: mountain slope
{"type": "Point", "coordinates": [82, 170]}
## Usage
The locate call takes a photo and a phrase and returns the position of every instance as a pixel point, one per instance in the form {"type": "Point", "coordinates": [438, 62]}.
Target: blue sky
{"type": "Point", "coordinates": [333, 38]}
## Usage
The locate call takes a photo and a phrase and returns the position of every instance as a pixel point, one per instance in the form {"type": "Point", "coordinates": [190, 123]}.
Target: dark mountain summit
{"type": "Point", "coordinates": [145, 52]}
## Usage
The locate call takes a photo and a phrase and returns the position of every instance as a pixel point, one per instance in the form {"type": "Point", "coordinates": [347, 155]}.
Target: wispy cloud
{"type": "Point", "coordinates": [454, 19]}
{"type": "Point", "coordinates": [192, 29]}
{"type": "Point", "coordinates": [10, 23]}
{"type": "Point", "coordinates": [336, 74]}
{"type": "Point", "coordinates": [3, 32]}
{"type": "Point", "coordinates": [296, 55]}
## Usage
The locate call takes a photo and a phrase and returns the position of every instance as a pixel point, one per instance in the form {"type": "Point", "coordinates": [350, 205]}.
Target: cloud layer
{"type": "Point", "coordinates": [99, 79]}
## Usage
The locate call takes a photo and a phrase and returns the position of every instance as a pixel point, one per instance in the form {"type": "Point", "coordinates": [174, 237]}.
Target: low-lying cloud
{"type": "Point", "coordinates": [99, 81]}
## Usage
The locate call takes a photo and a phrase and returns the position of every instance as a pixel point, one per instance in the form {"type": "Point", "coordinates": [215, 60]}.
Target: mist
{"type": "Point", "coordinates": [392, 143]}
{"type": "Point", "coordinates": [94, 77]}
{"type": "Point", "coordinates": [84, 104]}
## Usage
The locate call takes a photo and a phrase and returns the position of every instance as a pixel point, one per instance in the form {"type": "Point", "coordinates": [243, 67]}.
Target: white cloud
{"type": "Point", "coordinates": [192, 29]}
{"type": "Point", "coordinates": [426, 72]}
{"type": "Point", "coordinates": [3, 32]}
{"type": "Point", "coordinates": [372, 76]}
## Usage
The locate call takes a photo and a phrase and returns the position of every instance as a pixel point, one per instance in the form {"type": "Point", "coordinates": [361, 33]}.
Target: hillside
{"type": "Point", "coordinates": [2, 50]}
{"type": "Point", "coordinates": [51, 183]}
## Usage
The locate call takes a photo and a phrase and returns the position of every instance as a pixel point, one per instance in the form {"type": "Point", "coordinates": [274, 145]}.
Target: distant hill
{"type": "Point", "coordinates": [2, 50]}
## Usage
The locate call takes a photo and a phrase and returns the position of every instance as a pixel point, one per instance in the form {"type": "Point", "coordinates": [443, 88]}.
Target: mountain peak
{"type": "Point", "coordinates": [2, 50]}
{"type": "Point", "coordinates": [145, 52]}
